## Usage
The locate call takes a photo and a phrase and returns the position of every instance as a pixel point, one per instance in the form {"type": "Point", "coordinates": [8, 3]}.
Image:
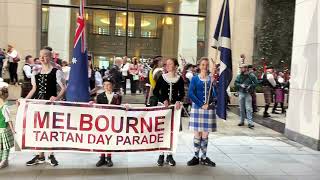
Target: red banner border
{"type": "Point", "coordinates": [24, 147]}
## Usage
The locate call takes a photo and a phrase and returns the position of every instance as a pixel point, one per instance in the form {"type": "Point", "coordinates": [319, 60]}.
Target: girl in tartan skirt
{"type": "Point", "coordinates": [169, 90]}
{"type": "Point", "coordinates": [6, 134]}
{"type": "Point", "coordinates": [202, 116]}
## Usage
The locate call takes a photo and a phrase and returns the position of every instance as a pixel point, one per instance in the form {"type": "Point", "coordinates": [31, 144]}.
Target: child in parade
{"type": "Point", "coordinates": [202, 116]}
{"type": "Point", "coordinates": [6, 128]}
{"type": "Point", "coordinates": [169, 90]}
{"type": "Point", "coordinates": [44, 86]}
{"type": "Point", "coordinates": [107, 97]}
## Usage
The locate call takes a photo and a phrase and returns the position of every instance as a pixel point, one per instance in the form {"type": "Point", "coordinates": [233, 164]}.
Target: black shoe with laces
{"type": "Point", "coordinates": [160, 161]}
{"type": "Point", "coordinates": [194, 161]}
{"type": "Point", "coordinates": [170, 160]}
{"type": "Point", "coordinates": [36, 160]}
{"type": "Point", "coordinates": [101, 162]}
{"type": "Point", "coordinates": [207, 162]}
{"type": "Point", "coordinates": [109, 162]}
{"type": "Point", "coordinates": [251, 126]}
{"type": "Point", "coordinates": [241, 124]}
{"type": "Point", "coordinates": [52, 160]}
{"type": "Point", "coordinates": [266, 115]}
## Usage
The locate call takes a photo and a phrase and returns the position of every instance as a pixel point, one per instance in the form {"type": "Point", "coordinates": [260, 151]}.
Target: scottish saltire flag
{"type": "Point", "coordinates": [222, 41]}
{"type": "Point", "coordinates": [78, 85]}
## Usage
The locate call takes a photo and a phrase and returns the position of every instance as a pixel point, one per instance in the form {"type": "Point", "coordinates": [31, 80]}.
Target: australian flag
{"type": "Point", "coordinates": [222, 41]}
{"type": "Point", "coordinates": [78, 85]}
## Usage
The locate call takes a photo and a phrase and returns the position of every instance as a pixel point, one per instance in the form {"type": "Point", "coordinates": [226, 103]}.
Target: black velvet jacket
{"type": "Point", "coordinates": [162, 90]}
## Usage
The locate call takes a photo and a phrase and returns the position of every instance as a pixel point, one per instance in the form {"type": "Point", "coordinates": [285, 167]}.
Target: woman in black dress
{"type": "Point", "coordinates": [44, 86]}
{"type": "Point", "coordinates": [169, 90]}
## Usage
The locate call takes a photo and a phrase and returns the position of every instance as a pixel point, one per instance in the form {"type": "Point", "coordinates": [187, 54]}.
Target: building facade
{"type": "Point", "coordinates": [171, 28]}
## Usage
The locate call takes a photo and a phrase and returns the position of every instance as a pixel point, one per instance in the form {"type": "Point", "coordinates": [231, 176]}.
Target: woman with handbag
{"type": "Point", "coordinates": [134, 70]}
{"type": "Point", "coordinates": [13, 59]}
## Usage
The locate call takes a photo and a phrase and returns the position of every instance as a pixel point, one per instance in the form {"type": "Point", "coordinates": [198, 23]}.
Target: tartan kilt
{"type": "Point", "coordinates": [267, 91]}
{"type": "Point", "coordinates": [202, 120]}
{"type": "Point", "coordinates": [6, 139]}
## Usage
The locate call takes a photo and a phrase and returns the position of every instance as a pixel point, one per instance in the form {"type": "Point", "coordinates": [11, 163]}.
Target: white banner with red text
{"type": "Point", "coordinates": [80, 127]}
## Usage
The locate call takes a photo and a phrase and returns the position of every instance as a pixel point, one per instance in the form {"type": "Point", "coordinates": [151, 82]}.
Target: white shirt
{"type": "Point", "coordinates": [189, 75]}
{"type": "Point", "coordinates": [98, 80]}
{"type": "Point", "coordinates": [271, 79]}
{"type": "Point", "coordinates": [109, 97]}
{"type": "Point", "coordinates": [13, 54]}
{"type": "Point", "coordinates": [124, 69]}
{"type": "Point", "coordinates": [280, 79]}
{"type": "Point", "coordinates": [66, 72]}
{"type": "Point", "coordinates": [6, 113]}
{"type": "Point", "coordinates": [27, 70]}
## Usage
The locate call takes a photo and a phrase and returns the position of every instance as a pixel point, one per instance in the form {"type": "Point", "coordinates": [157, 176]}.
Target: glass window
{"type": "Point", "coordinates": [45, 19]}
{"type": "Point", "coordinates": [149, 25]}
{"type": "Point", "coordinates": [170, 6]}
{"type": "Point", "coordinates": [101, 22]}
{"type": "Point", "coordinates": [121, 19]}
{"type": "Point", "coordinates": [61, 2]}
{"type": "Point", "coordinates": [101, 61]}
{"type": "Point", "coordinates": [120, 4]}
{"type": "Point", "coordinates": [201, 28]}
{"type": "Point", "coordinates": [148, 34]}
{"type": "Point", "coordinates": [169, 36]}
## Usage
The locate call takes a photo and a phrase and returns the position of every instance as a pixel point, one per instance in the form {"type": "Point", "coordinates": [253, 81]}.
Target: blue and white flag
{"type": "Point", "coordinates": [78, 85]}
{"type": "Point", "coordinates": [222, 41]}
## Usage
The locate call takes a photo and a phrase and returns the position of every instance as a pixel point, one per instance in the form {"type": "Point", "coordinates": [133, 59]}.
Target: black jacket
{"type": "Point", "coordinates": [162, 90]}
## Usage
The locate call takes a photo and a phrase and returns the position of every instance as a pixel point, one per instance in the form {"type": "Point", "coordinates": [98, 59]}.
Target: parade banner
{"type": "Point", "coordinates": [80, 127]}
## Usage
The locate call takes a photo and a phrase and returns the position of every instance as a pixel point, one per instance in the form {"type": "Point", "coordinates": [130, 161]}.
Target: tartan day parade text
{"type": "Point", "coordinates": [64, 126]}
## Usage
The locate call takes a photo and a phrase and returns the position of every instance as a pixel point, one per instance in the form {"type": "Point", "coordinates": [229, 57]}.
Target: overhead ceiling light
{"type": "Point", "coordinates": [168, 20]}
{"type": "Point", "coordinates": [45, 9]}
{"type": "Point", "coordinates": [105, 20]}
{"type": "Point", "coordinates": [145, 23]}
{"type": "Point", "coordinates": [124, 13]}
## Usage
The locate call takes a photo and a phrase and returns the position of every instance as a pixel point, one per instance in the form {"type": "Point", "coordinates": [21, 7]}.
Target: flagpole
{"type": "Point", "coordinates": [217, 51]}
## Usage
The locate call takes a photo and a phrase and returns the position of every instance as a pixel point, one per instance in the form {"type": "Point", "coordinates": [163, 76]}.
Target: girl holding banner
{"type": "Point", "coordinates": [107, 97]}
{"type": "Point", "coordinates": [44, 86]}
{"type": "Point", "coordinates": [202, 116]}
{"type": "Point", "coordinates": [169, 90]}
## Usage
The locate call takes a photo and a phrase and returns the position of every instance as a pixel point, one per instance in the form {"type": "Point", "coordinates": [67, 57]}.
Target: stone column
{"type": "Point", "coordinates": [20, 27]}
{"type": "Point", "coordinates": [242, 18]}
{"type": "Point", "coordinates": [59, 29]}
{"type": "Point", "coordinates": [303, 116]}
{"type": "Point", "coordinates": [188, 31]}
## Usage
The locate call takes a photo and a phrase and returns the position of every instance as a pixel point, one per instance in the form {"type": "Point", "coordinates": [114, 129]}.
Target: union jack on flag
{"type": "Point", "coordinates": [78, 85]}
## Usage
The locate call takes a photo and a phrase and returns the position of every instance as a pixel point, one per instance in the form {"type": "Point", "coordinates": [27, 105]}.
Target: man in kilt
{"type": "Point", "coordinates": [268, 83]}
{"type": "Point", "coordinates": [202, 116]}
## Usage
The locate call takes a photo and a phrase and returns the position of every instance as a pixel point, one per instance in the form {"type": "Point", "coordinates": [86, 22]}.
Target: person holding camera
{"type": "Point", "coordinates": [245, 83]}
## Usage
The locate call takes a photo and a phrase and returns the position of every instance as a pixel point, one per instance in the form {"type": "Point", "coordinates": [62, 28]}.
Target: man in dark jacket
{"type": "Point", "coordinates": [245, 83]}
{"type": "Point", "coordinates": [116, 76]}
